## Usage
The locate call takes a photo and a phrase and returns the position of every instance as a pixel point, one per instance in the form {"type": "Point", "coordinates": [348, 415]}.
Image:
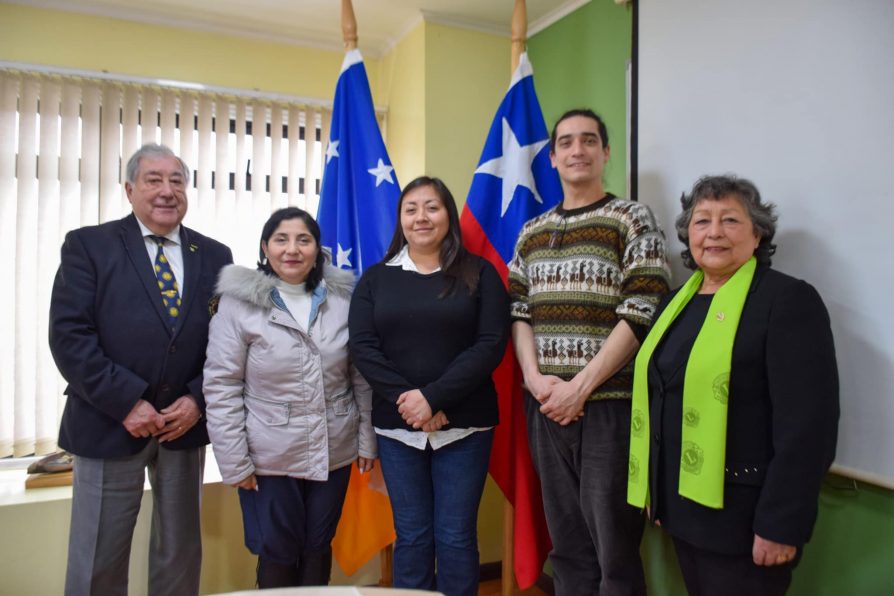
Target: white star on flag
{"type": "Point", "coordinates": [343, 257]}
{"type": "Point", "coordinates": [514, 166]}
{"type": "Point", "coordinates": [332, 151]}
{"type": "Point", "coordinates": [381, 172]}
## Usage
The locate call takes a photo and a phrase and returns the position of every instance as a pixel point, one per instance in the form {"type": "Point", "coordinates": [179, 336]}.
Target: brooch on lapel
{"type": "Point", "coordinates": [213, 303]}
{"type": "Point", "coordinates": [193, 247]}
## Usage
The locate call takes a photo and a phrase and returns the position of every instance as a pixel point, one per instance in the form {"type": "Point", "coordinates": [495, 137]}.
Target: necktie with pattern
{"type": "Point", "coordinates": [167, 283]}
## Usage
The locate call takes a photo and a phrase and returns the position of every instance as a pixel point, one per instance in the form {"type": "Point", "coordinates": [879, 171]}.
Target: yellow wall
{"type": "Point", "coordinates": [34, 563]}
{"type": "Point", "coordinates": [402, 82]}
{"type": "Point", "coordinates": [467, 74]}
{"type": "Point", "coordinates": [442, 85]}
{"type": "Point", "coordinates": [54, 38]}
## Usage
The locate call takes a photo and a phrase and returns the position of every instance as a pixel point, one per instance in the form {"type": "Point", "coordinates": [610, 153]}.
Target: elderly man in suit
{"type": "Point", "coordinates": [128, 330]}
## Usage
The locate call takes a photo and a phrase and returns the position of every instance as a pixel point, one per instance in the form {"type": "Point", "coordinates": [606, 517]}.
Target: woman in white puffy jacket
{"type": "Point", "coordinates": [287, 411]}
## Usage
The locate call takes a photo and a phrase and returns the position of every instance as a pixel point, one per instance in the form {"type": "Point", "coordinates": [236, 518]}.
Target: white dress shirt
{"type": "Point", "coordinates": [173, 252]}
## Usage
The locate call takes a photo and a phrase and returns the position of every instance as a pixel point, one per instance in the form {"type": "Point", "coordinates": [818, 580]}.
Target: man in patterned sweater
{"type": "Point", "coordinates": [585, 280]}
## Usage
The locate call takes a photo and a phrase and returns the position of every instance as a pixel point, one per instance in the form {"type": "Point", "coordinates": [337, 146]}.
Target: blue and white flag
{"type": "Point", "coordinates": [358, 198]}
{"type": "Point", "coordinates": [514, 180]}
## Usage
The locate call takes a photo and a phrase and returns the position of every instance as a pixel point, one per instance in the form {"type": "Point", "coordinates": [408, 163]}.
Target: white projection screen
{"type": "Point", "coordinates": [798, 96]}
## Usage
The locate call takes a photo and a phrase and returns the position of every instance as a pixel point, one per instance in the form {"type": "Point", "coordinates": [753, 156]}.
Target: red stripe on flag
{"type": "Point", "coordinates": [476, 241]}
{"type": "Point", "coordinates": [510, 462]}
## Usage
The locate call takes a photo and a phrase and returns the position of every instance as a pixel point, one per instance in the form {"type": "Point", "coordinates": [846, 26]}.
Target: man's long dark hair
{"type": "Point", "coordinates": [458, 265]}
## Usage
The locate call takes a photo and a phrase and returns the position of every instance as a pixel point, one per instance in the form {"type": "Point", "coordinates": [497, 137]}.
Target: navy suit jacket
{"type": "Point", "coordinates": [782, 422]}
{"type": "Point", "coordinates": [111, 339]}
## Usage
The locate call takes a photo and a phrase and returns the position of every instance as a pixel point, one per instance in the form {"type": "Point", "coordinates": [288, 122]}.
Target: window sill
{"type": "Point", "coordinates": [13, 492]}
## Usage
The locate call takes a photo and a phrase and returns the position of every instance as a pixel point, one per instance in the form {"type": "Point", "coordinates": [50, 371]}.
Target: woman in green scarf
{"type": "Point", "coordinates": [735, 407]}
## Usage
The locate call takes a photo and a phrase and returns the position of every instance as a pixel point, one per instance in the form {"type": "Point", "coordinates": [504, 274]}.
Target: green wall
{"type": "Point", "coordinates": [581, 61]}
{"type": "Point", "coordinates": [851, 552]}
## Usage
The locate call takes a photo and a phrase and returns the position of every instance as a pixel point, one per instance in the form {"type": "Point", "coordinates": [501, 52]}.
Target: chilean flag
{"type": "Point", "coordinates": [514, 182]}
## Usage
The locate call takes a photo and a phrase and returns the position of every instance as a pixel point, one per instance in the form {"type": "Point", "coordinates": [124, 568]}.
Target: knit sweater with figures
{"type": "Point", "coordinates": [577, 272]}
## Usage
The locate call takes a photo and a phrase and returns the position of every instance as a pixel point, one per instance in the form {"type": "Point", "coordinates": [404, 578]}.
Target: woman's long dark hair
{"type": "Point", "coordinates": [458, 265]}
{"type": "Point", "coordinates": [315, 276]}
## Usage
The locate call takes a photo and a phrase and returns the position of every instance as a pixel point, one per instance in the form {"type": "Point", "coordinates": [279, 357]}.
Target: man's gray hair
{"type": "Point", "coordinates": [132, 172]}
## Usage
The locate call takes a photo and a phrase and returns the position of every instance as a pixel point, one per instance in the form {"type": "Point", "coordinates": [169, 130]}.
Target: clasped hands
{"type": "Point", "coordinates": [416, 412]}
{"type": "Point", "coordinates": [560, 401]}
{"type": "Point", "coordinates": [168, 424]}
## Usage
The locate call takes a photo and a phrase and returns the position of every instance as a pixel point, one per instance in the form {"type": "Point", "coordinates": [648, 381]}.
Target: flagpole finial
{"type": "Point", "coordinates": [519, 31]}
{"type": "Point", "coordinates": [348, 25]}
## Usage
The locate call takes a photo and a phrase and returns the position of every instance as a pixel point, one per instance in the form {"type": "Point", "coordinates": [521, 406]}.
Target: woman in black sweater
{"type": "Point", "coordinates": [428, 326]}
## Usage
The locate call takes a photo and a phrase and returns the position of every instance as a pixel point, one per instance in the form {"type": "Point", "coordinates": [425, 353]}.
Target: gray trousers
{"type": "Point", "coordinates": [583, 478]}
{"type": "Point", "coordinates": [105, 503]}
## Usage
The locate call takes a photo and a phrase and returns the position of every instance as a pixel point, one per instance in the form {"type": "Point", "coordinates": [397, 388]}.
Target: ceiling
{"type": "Point", "coordinates": [316, 23]}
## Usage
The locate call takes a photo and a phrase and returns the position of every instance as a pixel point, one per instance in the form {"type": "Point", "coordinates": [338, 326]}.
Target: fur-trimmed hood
{"type": "Point", "coordinates": [256, 287]}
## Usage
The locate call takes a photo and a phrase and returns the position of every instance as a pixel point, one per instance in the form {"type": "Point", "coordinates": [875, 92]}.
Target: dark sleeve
{"type": "Point", "coordinates": [366, 345]}
{"type": "Point", "coordinates": [476, 363]}
{"type": "Point", "coordinates": [802, 378]}
{"type": "Point", "coordinates": [196, 383]}
{"type": "Point", "coordinates": [74, 341]}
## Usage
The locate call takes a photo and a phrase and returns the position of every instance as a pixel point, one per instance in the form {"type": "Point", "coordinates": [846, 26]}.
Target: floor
{"type": "Point", "coordinates": [493, 588]}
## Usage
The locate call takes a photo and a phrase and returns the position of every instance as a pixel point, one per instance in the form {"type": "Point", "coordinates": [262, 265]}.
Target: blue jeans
{"type": "Point", "coordinates": [435, 496]}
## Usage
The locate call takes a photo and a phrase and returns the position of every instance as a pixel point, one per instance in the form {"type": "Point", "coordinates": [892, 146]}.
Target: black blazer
{"type": "Point", "coordinates": [110, 337]}
{"type": "Point", "coordinates": [782, 422]}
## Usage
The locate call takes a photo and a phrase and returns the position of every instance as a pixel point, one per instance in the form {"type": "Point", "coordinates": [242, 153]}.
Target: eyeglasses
{"type": "Point", "coordinates": [557, 236]}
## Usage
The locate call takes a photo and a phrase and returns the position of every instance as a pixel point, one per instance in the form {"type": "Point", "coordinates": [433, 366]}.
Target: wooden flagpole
{"type": "Point", "coordinates": [507, 582]}
{"type": "Point", "coordinates": [349, 37]}
{"type": "Point", "coordinates": [348, 25]}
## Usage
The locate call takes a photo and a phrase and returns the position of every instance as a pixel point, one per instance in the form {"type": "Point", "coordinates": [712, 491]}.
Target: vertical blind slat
{"type": "Point", "coordinates": [69, 196]}
{"type": "Point", "coordinates": [110, 195]}
{"type": "Point", "coordinates": [276, 155]}
{"type": "Point", "coordinates": [310, 137]}
{"type": "Point", "coordinates": [205, 163]}
{"type": "Point", "coordinates": [244, 246]}
{"type": "Point", "coordinates": [260, 198]}
{"type": "Point", "coordinates": [26, 272]}
{"type": "Point", "coordinates": [44, 417]}
{"type": "Point", "coordinates": [169, 119]}
{"type": "Point", "coordinates": [91, 127]}
{"type": "Point", "coordinates": [9, 93]}
{"type": "Point", "coordinates": [149, 117]}
{"type": "Point", "coordinates": [188, 105]}
{"type": "Point", "coordinates": [295, 164]}
{"type": "Point", "coordinates": [223, 201]}
{"type": "Point", "coordinates": [130, 135]}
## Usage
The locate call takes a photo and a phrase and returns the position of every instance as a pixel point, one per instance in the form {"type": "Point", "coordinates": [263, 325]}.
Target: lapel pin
{"type": "Point", "coordinates": [720, 316]}
{"type": "Point", "coordinates": [193, 247]}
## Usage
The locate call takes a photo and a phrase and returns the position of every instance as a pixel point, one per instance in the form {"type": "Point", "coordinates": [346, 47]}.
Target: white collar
{"type": "Point", "coordinates": [403, 260]}
{"type": "Point", "coordinates": [172, 236]}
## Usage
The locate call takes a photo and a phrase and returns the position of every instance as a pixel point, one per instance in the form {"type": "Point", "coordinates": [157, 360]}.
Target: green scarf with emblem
{"type": "Point", "coordinates": [705, 393]}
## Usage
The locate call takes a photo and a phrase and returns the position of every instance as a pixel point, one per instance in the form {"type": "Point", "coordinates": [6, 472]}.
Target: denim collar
{"type": "Point", "coordinates": [317, 297]}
